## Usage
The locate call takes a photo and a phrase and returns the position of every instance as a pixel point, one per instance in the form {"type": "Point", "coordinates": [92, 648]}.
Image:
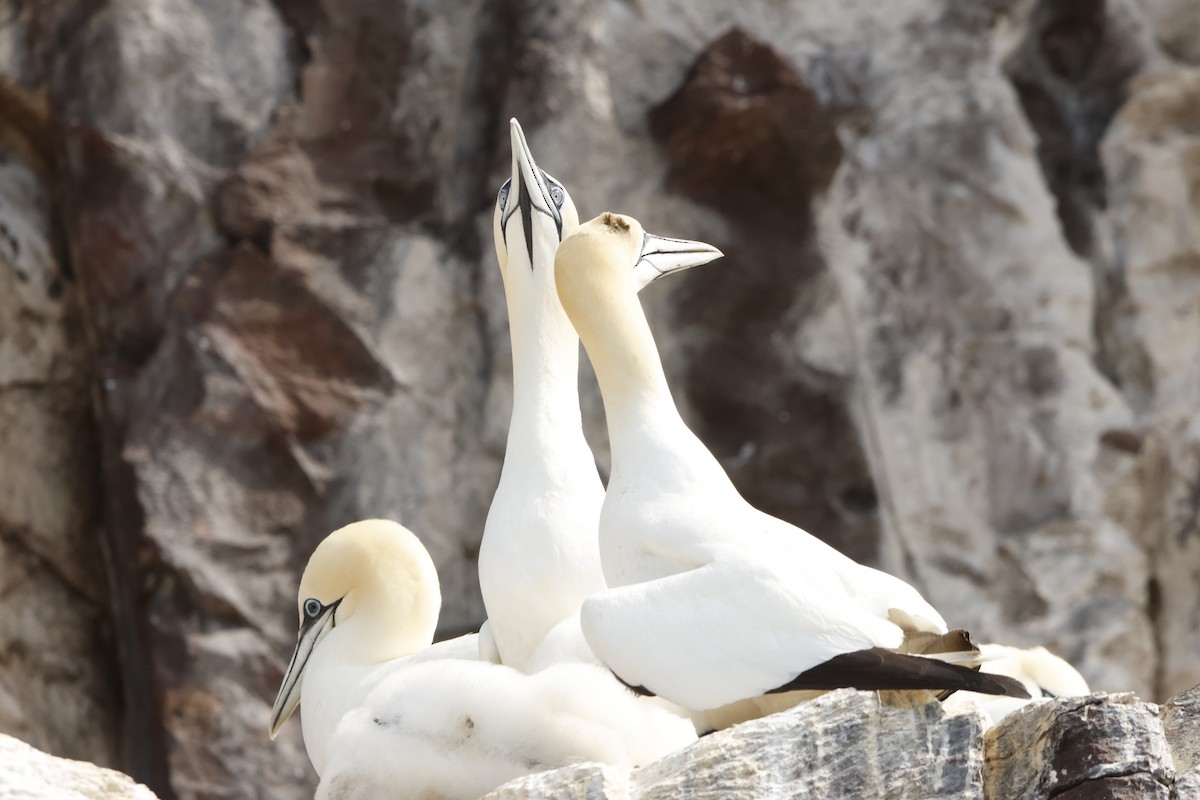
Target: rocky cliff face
{"type": "Point", "coordinates": [247, 294]}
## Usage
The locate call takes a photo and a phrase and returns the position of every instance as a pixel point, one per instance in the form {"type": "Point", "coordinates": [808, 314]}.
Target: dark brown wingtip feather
{"type": "Point", "coordinates": [878, 669]}
{"type": "Point", "coordinates": [1009, 687]}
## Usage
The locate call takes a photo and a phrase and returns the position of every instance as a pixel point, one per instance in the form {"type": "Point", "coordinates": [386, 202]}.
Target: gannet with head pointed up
{"type": "Point", "coordinates": [713, 601]}
{"type": "Point", "coordinates": [379, 713]}
{"type": "Point", "coordinates": [539, 557]}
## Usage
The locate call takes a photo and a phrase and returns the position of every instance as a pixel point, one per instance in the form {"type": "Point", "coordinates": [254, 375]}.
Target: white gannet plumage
{"type": "Point", "coordinates": [369, 596]}
{"type": "Point", "coordinates": [712, 601]}
{"type": "Point", "coordinates": [539, 556]}
{"type": "Point", "coordinates": [538, 559]}
{"type": "Point", "coordinates": [379, 711]}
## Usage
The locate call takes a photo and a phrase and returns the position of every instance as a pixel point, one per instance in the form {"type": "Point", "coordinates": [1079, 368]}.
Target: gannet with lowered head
{"type": "Point", "coordinates": [379, 713]}
{"type": "Point", "coordinates": [369, 596]}
{"type": "Point", "coordinates": [1043, 674]}
{"type": "Point", "coordinates": [539, 557]}
{"type": "Point", "coordinates": [712, 601]}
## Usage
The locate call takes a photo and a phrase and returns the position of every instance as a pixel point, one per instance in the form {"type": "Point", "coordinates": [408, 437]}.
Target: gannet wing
{"type": "Point", "coordinates": [731, 630]}
{"type": "Point", "coordinates": [722, 632]}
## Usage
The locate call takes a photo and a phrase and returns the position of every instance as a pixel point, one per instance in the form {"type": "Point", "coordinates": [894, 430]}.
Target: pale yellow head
{"type": "Point", "coordinates": [375, 582]}
{"type": "Point", "coordinates": [376, 564]}
{"type": "Point", "coordinates": [594, 269]}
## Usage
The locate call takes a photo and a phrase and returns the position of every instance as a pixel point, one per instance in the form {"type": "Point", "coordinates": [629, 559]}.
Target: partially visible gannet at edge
{"type": "Point", "coordinates": [1043, 674]}
{"type": "Point", "coordinates": [539, 557]}
{"type": "Point", "coordinates": [712, 601]}
{"type": "Point", "coordinates": [382, 719]}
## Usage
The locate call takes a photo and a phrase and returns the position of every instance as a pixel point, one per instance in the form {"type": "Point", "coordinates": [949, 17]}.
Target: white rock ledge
{"type": "Point", "coordinates": [29, 774]}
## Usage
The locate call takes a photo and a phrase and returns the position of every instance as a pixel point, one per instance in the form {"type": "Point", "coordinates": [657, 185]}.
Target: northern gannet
{"type": "Point", "coordinates": [712, 601]}
{"type": "Point", "coordinates": [539, 557]}
{"type": "Point", "coordinates": [379, 711]}
{"type": "Point", "coordinates": [369, 598]}
{"type": "Point", "coordinates": [1043, 674]}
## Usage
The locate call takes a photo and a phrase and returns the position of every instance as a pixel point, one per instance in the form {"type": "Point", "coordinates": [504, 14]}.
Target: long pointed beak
{"type": "Point", "coordinates": [289, 691]}
{"type": "Point", "coordinates": [662, 256]}
{"type": "Point", "coordinates": [528, 193]}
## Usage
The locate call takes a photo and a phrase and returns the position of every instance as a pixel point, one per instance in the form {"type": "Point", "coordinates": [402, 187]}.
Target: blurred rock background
{"type": "Point", "coordinates": [248, 294]}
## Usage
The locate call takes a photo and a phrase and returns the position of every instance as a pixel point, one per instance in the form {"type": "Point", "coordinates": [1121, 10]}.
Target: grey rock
{"type": "Point", "coordinates": [843, 745]}
{"type": "Point", "coordinates": [29, 774]}
{"type": "Point", "coordinates": [1187, 786]}
{"type": "Point", "coordinates": [1181, 724]}
{"type": "Point", "coordinates": [1153, 275]}
{"type": "Point", "coordinates": [1097, 746]}
{"type": "Point", "coordinates": [57, 687]}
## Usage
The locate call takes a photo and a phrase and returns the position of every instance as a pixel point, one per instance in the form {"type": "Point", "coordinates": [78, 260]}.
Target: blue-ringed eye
{"type": "Point", "coordinates": [557, 195]}
{"type": "Point", "coordinates": [312, 608]}
{"type": "Point", "coordinates": [502, 198]}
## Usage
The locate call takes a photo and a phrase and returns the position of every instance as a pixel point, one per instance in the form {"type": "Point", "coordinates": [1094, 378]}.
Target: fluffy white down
{"type": "Point", "coordinates": [457, 729]}
{"type": "Point", "coordinates": [332, 685]}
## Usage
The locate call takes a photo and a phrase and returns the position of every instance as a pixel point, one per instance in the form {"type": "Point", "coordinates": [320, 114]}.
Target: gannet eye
{"type": "Point", "coordinates": [502, 198]}
{"type": "Point", "coordinates": [556, 194]}
{"type": "Point", "coordinates": [312, 608]}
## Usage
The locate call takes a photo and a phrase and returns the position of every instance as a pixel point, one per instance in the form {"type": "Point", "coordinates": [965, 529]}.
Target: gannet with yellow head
{"type": "Point", "coordinates": [369, 596]}
{"type": "Point", "coordinates": [712, 601]}
{"type": "Point", "coordinates": [384, 709]}
{"type": "Point", "coordinates": [539, 557]}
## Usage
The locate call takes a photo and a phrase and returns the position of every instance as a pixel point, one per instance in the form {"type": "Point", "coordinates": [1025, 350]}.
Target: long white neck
{"type": "Point", "coordinates": [545, 352]}
{"type": "Point", "coordinates": [637, 400]}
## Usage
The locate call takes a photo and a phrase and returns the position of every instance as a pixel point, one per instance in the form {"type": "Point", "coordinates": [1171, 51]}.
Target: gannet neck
{"type": "Point", "coordinates": [597, 290]}
{"type": "Point", "coordinates": [545, 355]}
{"type": "Point", "coordinates": [533, 213]}
{"type": "Point", "coordinates": [541, 525]}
